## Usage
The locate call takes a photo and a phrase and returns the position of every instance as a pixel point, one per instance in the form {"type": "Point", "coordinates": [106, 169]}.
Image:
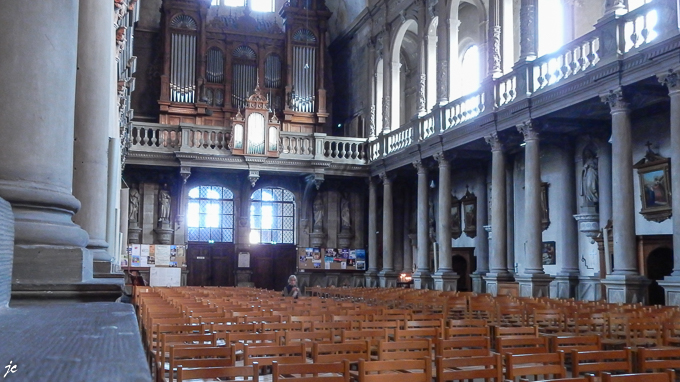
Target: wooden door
{"type": "Point", "coordinates": [223, 265]}
{"type": "Point", "coordinates": [272, 264]}
{"type": "Point", "coordinates": [198, 265]}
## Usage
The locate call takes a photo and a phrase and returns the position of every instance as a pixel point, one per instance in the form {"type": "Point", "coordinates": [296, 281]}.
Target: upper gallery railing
{"type": "Point", "coordinates": [651, 22]}
{"type": "Point", "coordinates": [212, 140]}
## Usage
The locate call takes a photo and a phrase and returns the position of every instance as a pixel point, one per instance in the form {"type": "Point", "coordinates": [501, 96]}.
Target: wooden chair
{"type": "Point", "coordinates": [601, 361]}
{"type": "Point", "coordinates": [334, 327]}
{"type": "Point", "coordinates": [409, 349]}
{"type": "Point", "coordinates": [351, 351]}
{"type": "Point", "coordinates": [573, 379]}
{"type": "Point", "coordinates": [239, 340]}
{"type": "Point", "coordinates": [308, 338]}
{"type": "Point", "coordinates": [489, 368]}
{"type": "Point", "coordinates": [311, 372]}
{"type": "Point", "coordinates": [229, 373]}
{"type": "Point", "coordinates": [193, 357]}
{"type": "Point", "coordinates": [282, 326]}
{"type": "Point", "coordinates": [265, 355]}
{"type": "Point", "coordinates": [578, 343]}
{"type": "Point", "coordinates": [668, 376]}
{"type": "Point", "coordinates": [463, 347]}
{"type": "Point", "coordinates": [409, 370]}
{"type": "Point", "coordinates": [658, 359]}
{"type": "Point", "coordinates": [522, 345]}
{"type": "Point", "coordinates": [466, 331]}
{"type": "Point", "coordinates": [546, 365]}
{"type": "Point", "coordinates": [374, 336]}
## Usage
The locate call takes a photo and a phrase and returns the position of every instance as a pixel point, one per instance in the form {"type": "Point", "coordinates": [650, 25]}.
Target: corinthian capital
{"type": "Point", "coordinates": [493, 141]}
{"type": "Point", "coordinates": [528, 130]}
{"type": "Point", "coordinates": [670, 79]}
{"type": "Point", "coordinates": [615, 100]}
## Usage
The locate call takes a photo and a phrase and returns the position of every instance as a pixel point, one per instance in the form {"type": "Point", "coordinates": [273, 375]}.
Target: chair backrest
{"type": "Point", "coordinates": [248, 373]}
{"type": "Point", "coordinates": [239, 339]}
{"type": "Point", "coordinates": [573, 379]}
{"type": "Point", "coordinates": [406, 349]}
{"type": "Point", "coordinates": [415, 333]}
{"type": "Point", "coordinates": [578, 343]}
{"type": "Point", "coordinates": [373, 335]}
{"type": "Point", "coordinates": [351, 351]}
{"type": "Point", "coordinates": [419, 370]}
{"type": "Point", "coordinates": [656, 359]}
{"type": "Point", "coordinates": [308, 338]}
{"type": "Point", "coordinates": [463, 347]}
{"type": "Point", "coordinates": [668, 376]}
{"type": "Point", "coordinates": [193, 357]}
{"type": "Point", "coordinates": [489, 368]}
{"type": "Point", "coordinates": [265, 355]}
{"type": "Point", "coordinates": [601, 360]}
{"type": "Point", "coordinates": [311, 372]}
{"type": "Point", "coordinates": [466, 331]}
{"type": "Point", "coordinates": [547, 365]}
{"type": "Point", "coordinates": [522, 345]}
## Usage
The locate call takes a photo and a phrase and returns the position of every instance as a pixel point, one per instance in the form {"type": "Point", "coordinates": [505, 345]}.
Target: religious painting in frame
{"type": "Point", "coordinates": [548, 253]}
{"type": "Point", "coordinates": [456, 229]}
{"type": "Point", "coordinates": [655, 187]}
{"type": "Point", "coordinates": [469, 210]}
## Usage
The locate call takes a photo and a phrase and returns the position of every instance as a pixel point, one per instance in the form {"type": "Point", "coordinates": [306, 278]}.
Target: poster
{"type": "Point", "coordinates": [244, 259]}
{"type": "Point", "coordinates": [173, 255]}
{"type": "Point", "coordinates": [360, 254]}
{"type": "Point", "coordinates": [152, 255]}
{"type": "Point", "coordinates": [361, 265]}
{"type": "Point", "coordinates": [162, 255]}
{"type": "Point", "coordinates": [165, 277]}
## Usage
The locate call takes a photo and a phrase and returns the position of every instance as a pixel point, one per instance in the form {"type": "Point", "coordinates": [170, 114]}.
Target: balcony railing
{"type": "Point", "coordinates": [211, 140]}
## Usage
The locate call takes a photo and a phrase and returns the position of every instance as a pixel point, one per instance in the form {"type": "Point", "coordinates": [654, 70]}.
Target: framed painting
{"type": "Point", "coordinates": [548, 253]}
{"type": "Point", "coordinates": [469, 210]}
{"type": "Point", "coordinates": [655, 187]}
{"type": "Point", "coordinates": [456, 229]}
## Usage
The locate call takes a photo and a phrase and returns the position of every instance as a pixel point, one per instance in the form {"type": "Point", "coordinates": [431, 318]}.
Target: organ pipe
{"type": "Point", "coordinates": [183, 68]}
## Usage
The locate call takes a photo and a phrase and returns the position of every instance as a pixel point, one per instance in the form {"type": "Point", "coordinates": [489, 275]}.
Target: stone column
{"type": "Point", "coordinates": [563, 190]}
{"type": "Point", "coordinates": [442, 54]}
{"type": "Point", "coordinates": [671, 283]}
{"type": "Point", "coordinates": [36, 176]}
{"type": "Point", "coordinates": [387, 82]}
{"type": "Point", "coordinates": [528, 22]}
{"type": "Point", "coordinates": [444, 278]}
{"type": "Point", "coordinates": [372, 272]}
{"type": "Point", "coordinates": [625, 284]}
{"type": "Point", "coordinates": [422, 279]}
{"type": "Point", "coordinates": [494, 54]}
{"type": "Point", "coordinates": [94, 100]}
{"type": "Point", "coordinates": [482, 238]}
{"type": "Point", "coordinates": [498, 264]}
{"type": "Point", "coordinates": [388, 278]}
{"type": "Point", "coordinates": [534, 282]}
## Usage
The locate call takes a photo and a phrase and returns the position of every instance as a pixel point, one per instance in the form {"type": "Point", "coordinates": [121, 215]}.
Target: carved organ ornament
{"type": "Point", "coordinates": [256, 132]}
{"type": "Point", "coordinates": [212, 62]}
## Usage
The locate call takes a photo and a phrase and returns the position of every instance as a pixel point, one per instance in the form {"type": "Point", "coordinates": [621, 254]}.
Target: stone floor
{"type": "Point", "coordinates": [72, 342]}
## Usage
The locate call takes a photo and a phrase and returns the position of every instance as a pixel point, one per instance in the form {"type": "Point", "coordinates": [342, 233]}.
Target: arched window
{"type": "Point", "coordinates": [210, 214]}
{"type": "Point", "coordinates": [470, 68]}
{"type": "Point", "coordinates": [262, 5]}
{"type": "Point", "coordinates": [551, 16]}
{"type": "Point", "coordinates": [272, 216]}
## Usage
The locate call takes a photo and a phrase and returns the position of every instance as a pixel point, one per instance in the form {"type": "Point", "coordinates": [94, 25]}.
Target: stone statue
{"type": "Point", "coordinates": [345, 213]}
{"type": "Point", "coordinates": [589, 178]}
{"type": "Point", "coordinates": [133, 211]}
{"type": "Point", "coordinates": [164, 206]}
{"type": "Point", "coordinates": [318, 213]}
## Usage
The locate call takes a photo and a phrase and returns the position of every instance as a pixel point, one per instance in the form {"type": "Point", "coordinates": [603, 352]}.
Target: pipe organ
{"type": "Point", "coordinates": [214, 56]}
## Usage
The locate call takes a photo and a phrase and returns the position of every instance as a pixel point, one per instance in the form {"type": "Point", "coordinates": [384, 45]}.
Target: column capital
{"type": "Point", "coordinates": [615, 100]}
{"type": "Point", "coordinates": [493, 141]}
{"type": "Point", "coordinates": [529, 130]}
{"type": "Point", "coordinates": [442, 158]}
{"type": "Point", "coordinates": [419, 165]}
{"type": "Point", "coordinates": [386, 178]}
{"type": "Point", "coordinates": [671, 79]}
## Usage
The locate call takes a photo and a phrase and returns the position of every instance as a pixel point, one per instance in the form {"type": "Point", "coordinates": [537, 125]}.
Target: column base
{"type": "Point", "coordinates": [445, 280]}
{"type": "Point", "coordinates": [671, 286]}
{"type": "Point", "coordinates": [626, 289]}
{"type": "Point", "coordinates": [565, 286]}
{"type": "Point", "coordinates": [589, 288]}
{"type": "Point", "coordinates": [422, 280]}
{"type": "Point", "coordinates": [534, 285]}
{"type": "Point", "coordinates": [372, 279]}
{"type": "Point", "coordinates": [388, 278]}
{"type": "Point", "coordinates": [316, 239]}
{"type": "Point", "coordinates": [101, 268]}
{"type": "Point", "coordinates": [478, 285]}
{"type": "Point", "coordinates": [493, 279]}
{"type": "Point", "coordinates": [51, 265]}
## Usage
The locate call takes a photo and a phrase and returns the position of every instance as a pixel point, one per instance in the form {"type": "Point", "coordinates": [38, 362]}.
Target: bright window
{"type": "Point", "coordinates": [550, 26]}
{"type": "Point", "coordinates": [262, 5]}
{"type": "Point", "coordinates": [272, 216]}
{"type": "Point", "coordinates": [234, 3]}
{"type": "Point", "coordinates": [210, 214]}
{"type": "Point", "coordinates": [470, 70]}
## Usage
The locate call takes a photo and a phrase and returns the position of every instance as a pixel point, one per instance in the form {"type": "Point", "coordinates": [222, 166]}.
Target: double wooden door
{"type": "Point", "coordinates": [211, 264]}
{"type": "Point", "coordinates": [272, 264]}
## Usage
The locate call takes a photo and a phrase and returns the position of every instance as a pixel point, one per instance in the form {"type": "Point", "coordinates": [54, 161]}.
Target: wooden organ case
{"type": "Point", "coordinates": [215, 56]}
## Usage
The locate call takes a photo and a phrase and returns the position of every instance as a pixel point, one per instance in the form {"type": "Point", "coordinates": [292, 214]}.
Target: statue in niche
{"type": "Point", "coordinates": [318, 213]}
{"type": "Point", "coordinates": [133, 210]}
{"type": "Point", "coordinates": [345, 220]}
{"type": "Point", "coordinates": [589, 178]}
{"type": "Point", "coordinates": [164, 206]}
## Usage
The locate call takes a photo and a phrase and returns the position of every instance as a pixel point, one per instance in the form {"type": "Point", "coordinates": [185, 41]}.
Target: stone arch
{"type": "Point", "coordinates": [410, 26]}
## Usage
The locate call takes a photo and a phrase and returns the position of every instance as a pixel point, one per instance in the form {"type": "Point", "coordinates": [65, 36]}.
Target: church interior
{"type": "Point", "coordinates": [406, 161]}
